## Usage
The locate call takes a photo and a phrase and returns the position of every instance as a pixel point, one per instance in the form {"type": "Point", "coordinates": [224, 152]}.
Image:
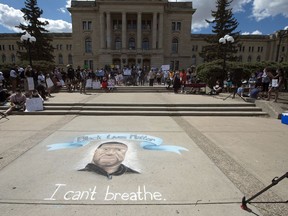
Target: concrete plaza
{"type": "Point", "coordinates": [219, 160]}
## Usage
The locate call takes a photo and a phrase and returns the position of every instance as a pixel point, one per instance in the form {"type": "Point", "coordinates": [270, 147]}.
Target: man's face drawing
{"type": "Point", "coordinates": [108, 155]}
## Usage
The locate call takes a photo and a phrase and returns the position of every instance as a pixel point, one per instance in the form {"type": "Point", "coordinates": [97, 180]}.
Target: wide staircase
{"type": "Point", "coordinates": [146, 109]}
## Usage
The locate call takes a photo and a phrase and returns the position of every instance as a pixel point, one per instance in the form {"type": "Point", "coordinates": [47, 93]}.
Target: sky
{"type": "Point", "coordinates": [257, 17]}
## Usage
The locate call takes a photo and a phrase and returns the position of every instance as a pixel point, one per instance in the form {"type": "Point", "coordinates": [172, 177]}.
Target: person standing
{"type": "Point", "coordinates": [277, 83]}
{"type": "Point", "coordinates": [13, 78]}
{"type": "Point", "coordinates": [83, 78]}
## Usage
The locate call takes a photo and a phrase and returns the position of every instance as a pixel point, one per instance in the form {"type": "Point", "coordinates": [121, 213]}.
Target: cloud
{"type": "Point", "coordinates": [11, 17]}
{"type": "Point", "coordinates": [62, 10]}
{"type": "Point", "coordinates": [267, 8]}
{"type": "Point", "coordinates": [57, 25]}
{"type": "Point", "coordinates": [256, 32]}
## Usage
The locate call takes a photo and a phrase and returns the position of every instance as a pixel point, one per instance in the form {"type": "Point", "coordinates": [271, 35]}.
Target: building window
{"type": "Point", "coordinates": [68, 47]}
{"type": "Point", "coordinates": [194, 60]}
{"type": "Point", "coordinates": [131, 43]}
{"type": "Point", "coordinates": [11, 47]}
{"type": "Point", "coordinates": [118, 43]}
{"type": "Point", "coordinates": [194, 48]}
{"type": "Point", "coordinates": [249, 59]}
{"type": "Point", "coordinates": [117, 24]}
{"type": "Point", "coordinates": [3, 58]}
{"type": "Point", "coordinates": [70, 59]}
{"type": "Point", "coordinates": [60, 59]}
{"type": "Point", "coordinates": [251, 49]}
{"type": "Point", "coordinates": [243, 48]}
{"type": "Point", "coordinates": [131, 24]}
{"type": "Point", "coordinates": [145, 44]}
{"type": "Point", "coordinates": [13, 58]}
{"type": "Point", "coordinates": [87, 25]}
{"type": "Point", "coordinates": [175, 45]}
{"type": "Point", "coordinates": [88, 45]}
{"type": "Point", "coordinates": [176, 26]}
{"type": "Point", "coordinates": [283, 48]}
{"type": "Point", "coordinates": [146, 24]}
{"type": "Point", "coordinates": [88, 64]}
{"type": "Point", "coordinates": [258, 58]}
{"type": "Point", "coordinates": [240, 58]}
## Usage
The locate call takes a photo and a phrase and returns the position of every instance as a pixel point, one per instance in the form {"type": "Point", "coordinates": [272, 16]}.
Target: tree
{"type": "Point", "coordinates": [223, 24]}
{"type": "Point", "coordinates": [41, 49]}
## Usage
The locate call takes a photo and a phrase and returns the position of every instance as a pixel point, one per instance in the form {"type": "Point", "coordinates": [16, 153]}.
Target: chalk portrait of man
{"type": "Point", "coordinates": [107, 160]}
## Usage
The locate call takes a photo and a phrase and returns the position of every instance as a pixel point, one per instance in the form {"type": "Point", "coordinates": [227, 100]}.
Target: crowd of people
{"type": "Point", "coordinates": [260, 85]}
{"type": "Point", "coordinates": [28, 82]}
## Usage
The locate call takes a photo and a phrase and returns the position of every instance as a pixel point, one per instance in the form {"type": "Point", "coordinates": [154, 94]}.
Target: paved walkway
{"type": "Point", "coordinates": [221, 159]}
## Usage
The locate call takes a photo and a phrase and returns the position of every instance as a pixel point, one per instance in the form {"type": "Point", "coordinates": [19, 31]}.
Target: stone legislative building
{"type": "Point", "coordinates": [143, 33]}
{"type": "Point", "coordinates": [136, 33]}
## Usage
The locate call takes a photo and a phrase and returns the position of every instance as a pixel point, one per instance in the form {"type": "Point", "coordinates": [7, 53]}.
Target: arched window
{"type": "Point", "coordinates": [249, 59]}
{"type": "Point", "coordinates": [131, 43]}
{"type": "Point", "coordinates": [13, 58]}
{"type": "Point", "coordinates": [88, 45]}
{"type": "Point", "coordinates": [3, 58]}
{"type": "Point", "coordinates": [194, 60]}
{"type": "Point", "coordinates": [118, 43]}
{"type": "Point", "coordinates": [145, 44]}
{"type": "Point", "coordinates": [70, 59]}
{"type": "Point", "coordinates": [175, 43]}
{"type": "Point", "coordinates": [258, 58]}
{"type": "Point", "coordinates": [60, 59]}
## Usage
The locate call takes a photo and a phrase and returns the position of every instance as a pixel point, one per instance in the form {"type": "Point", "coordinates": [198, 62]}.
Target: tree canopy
{"type": "Point", "coordinates": [42, 48]}
{"type": "Point", "coordinates": [223, 24]}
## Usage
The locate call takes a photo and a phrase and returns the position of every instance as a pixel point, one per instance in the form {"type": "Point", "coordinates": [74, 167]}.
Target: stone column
{"type": "Point", "coordinates": [124, 30]}
{"type": "Point", "coordinates": [108, 30]}
{"type": "Point", "coordinates": [154, 31]}
{"type": "Point", "coordinates": [102, 31]}
{"type": "Point", "coordinates": [160, 36]}
{"type": "Point", "coordinates": [139, 32]}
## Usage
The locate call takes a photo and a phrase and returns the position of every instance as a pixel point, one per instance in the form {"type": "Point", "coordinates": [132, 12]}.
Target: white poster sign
{"type": "Point", "coordinates": [127, 72]}
{"type": "Point", "coordinates": [30, 83]}
{"type": "Point", "coordinates": [274, 82]}
{"type": "Point", "coordinates": [34, 104]}
{"type": "Point", "coordinates": [96, 85]}
{"type": "Point", "coordinates": [165, 67]}
{"type": "Point", "coordinates": [49, 83]}
{"type": "Point", "coordinates": [89, 83]}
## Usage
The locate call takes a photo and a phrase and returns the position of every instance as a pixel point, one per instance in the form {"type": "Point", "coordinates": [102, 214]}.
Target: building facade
{"type": "Point", "coordinates": [144, 33]}
{"type": "Point", "coordinates": [135, 33]}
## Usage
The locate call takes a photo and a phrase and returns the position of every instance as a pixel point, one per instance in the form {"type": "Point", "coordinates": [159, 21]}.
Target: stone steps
{"type": "Point", "coordinates": [112, 109]}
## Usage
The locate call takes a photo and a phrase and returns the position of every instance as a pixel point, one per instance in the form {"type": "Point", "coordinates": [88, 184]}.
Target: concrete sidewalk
{"type": "Point", "coordinates": [222, 159]}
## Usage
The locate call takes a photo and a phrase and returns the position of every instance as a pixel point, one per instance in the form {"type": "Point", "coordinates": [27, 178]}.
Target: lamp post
{"type": "Point", "coordinates": [225, 41]}
{"type": "Point", "coordinates": [30, 39]}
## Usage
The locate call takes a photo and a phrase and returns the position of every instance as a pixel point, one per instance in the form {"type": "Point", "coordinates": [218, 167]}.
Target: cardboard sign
{"type": "Point", "coordinates": [34, 104]}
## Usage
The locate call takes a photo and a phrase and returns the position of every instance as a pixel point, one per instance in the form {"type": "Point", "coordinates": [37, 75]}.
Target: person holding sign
{"type": "Point", "coordinates": [277, 82]}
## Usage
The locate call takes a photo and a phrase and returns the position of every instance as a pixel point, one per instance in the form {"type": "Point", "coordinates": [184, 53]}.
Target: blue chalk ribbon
{"type": "Point", "coordinates": [146, 142]}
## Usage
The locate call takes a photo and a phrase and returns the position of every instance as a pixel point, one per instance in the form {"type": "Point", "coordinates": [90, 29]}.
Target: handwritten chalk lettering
{"type": "Point", "coordinates": [141, 194]}
{"type": "Point", "coordinates": [141, 137]}
{"type": "Point", "coordinates": [57, 188]}
{"type": "Point", "coordinates": [81, 195]}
